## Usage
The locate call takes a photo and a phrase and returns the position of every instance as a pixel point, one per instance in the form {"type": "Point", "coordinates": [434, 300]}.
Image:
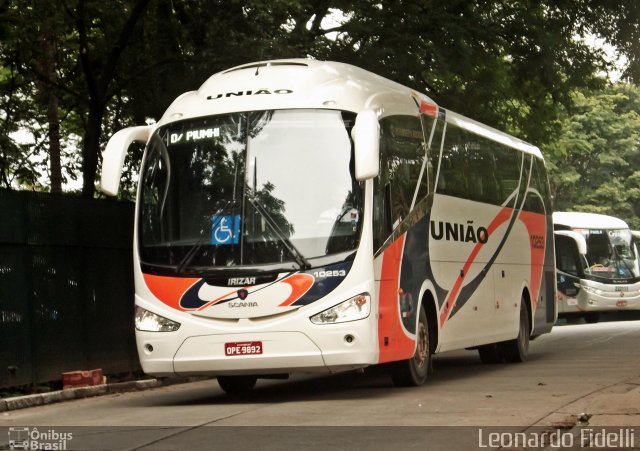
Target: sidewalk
{"type": "Point", "coordinates": [40, 399]}
{"type": "Point", "coordinates": [617, 405]}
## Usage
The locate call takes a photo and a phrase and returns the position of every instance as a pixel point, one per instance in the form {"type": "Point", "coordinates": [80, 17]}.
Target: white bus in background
{"type": "Point", "coordinates": [306, 216]}
{"type": "Point", "coordinates": [598, 265]}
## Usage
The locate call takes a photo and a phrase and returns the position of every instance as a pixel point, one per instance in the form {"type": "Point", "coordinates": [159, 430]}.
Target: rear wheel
{"type": "Point", "coordinates": [237, 385]}
{"type": "Point", "coordinates": [414, 371]}
{"type": "Point", "coordinates": [516, 350]}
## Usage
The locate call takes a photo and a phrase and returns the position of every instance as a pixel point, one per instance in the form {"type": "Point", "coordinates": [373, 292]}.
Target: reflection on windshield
{"type": "Point", "coordinates": [249, 189]}
{"type": "Point", "coordinates": [611, 254]}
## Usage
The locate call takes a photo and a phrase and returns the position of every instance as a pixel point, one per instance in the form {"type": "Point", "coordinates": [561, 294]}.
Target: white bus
{"type": "Point", "coordinates": [598, 265]}
{"type": "Point", "coordinates": [307, 216]}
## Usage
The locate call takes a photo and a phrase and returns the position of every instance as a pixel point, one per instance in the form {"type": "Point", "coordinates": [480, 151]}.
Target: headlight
{"type": "Point", "coordinates": [358, 307]}
{"type": "Point", "coordinates": [150, 322]}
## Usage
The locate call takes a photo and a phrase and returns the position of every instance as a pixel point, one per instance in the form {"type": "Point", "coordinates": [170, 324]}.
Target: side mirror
{"type": "Point", "coordinates": [366, 137]}
{"type": "Point", "coordinates": [114, 153]}
{"type": "Point", "coordinates": [578, 238]}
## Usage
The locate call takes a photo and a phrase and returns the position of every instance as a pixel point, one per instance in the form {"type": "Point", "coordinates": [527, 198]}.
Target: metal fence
{"type": "Point", "coordinates": [66, 287]}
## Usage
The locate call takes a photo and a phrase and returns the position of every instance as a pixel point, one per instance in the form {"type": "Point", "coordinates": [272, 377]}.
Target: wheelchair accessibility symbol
{"type": "Point", "coordinates": [225, 229]}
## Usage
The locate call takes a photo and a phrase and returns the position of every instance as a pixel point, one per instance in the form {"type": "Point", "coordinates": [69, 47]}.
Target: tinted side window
{"type": "Point", "coordinates": [402, 151]}
{"type": "Point", "coordinates": [454, 170]}
{"type": "Point", "coordinates": [470, 167]}
{"type": "Point", "coordinates": [536, 195]}
{"type": "Point", "coordinates": [508, 163]}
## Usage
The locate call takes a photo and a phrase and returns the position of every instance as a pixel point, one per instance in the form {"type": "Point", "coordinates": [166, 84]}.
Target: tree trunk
{"type": "Point", "coordinates": [53, 116]}
{"type": "Point", "coordinates": [90, 150]}
{"type": "Point", "coordinates": [54, 144]}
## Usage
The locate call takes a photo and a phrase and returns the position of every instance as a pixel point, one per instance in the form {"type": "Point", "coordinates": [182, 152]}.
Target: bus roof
{"type": "Point", "coordinates": [307, 83]}
{"type": "Point", "coordinates": [587, 220]}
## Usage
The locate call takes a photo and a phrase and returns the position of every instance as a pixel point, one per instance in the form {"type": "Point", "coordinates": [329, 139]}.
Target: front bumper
{"type": "Point", "coordinates": [337, 349]}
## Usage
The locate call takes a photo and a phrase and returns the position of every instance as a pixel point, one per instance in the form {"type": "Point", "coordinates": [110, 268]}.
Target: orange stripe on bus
{"type": "Point", "coordinates": [500, 219]}
{"type": "Point", "coordinates": [393, 342]}
{"type": "Point", "coordinates": [169, 290]}
{"type": "Point", "coordinates": [300, 283]}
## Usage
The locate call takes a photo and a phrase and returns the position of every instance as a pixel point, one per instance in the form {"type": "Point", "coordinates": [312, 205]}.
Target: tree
{"type": "Point", "coordinates": [27, 101]}
{"type": "Point", "coordinates": [594, 164]}
{"type": "Point", "coordinates": [508, 64]}
{"type": "Point", "coordinates": [103, 35]}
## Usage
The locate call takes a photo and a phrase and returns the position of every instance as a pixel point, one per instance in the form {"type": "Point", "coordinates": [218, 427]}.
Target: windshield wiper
{"type": "Point", "coordinates": [300, 259]}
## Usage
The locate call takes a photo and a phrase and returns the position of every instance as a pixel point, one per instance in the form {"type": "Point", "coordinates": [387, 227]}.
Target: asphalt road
{"type": "Point", "coordinates": [578, 377]}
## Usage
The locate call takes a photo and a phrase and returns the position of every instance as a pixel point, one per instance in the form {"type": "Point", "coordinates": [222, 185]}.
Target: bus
{"type": "Point", "coordinates": [307, 216]}
{"type": "Point", "coordinates": [598, 265]}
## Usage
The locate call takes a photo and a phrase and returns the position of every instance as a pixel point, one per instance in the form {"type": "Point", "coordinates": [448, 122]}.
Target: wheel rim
{"type": "Point", "coordinates": [422, 350]}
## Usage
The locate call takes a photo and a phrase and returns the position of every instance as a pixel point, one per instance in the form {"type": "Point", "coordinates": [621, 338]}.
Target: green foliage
{"type": "Point", "coordinates": [513, 65]}
{"type": "Point", "coordinates": [594, 161]}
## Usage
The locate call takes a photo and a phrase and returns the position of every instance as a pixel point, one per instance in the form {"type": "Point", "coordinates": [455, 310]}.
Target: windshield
{"type": "Point", "coordinates": [611, 254]}
{"type": "Point", "coordinates": [268, 189]}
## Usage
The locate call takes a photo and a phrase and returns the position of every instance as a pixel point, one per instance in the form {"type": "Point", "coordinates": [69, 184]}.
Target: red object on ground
{"type": "Point", "coordinates": [74, 379]}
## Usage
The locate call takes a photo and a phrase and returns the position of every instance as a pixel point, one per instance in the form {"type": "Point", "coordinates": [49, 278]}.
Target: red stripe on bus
{"type": "Point", "coordinates": [300, 283]}
{"type": "Point", "coordinates": [536, 224]}
{"type": "Point", "coordinates": [430, 109]}
{"type": "Point", "coordinates": [169, 290]}
{"type": "Point", "coordinates": [500, 219]}
{"type": "Point", "coordinates": [393, 342]}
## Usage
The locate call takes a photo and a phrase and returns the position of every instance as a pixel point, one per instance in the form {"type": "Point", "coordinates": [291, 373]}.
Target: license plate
{"type": "Point", "coordinates": [572, 301]}
{"type": "Point", "coordinates": [243, 348]}
{"type": "Point", "coordinates": [622, 288]}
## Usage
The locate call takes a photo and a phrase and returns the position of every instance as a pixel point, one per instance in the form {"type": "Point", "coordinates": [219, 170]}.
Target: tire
{"type": "Point", "coordinates": [414, 371]}
{"type": "Point", "coordinates": [516, 350]}
{"type": "Point", "coordinates": [237, 385]}
{"type": "Point", "coordinates": [490, 353]}
{"type": "Point", "coordinates": [591, 318]}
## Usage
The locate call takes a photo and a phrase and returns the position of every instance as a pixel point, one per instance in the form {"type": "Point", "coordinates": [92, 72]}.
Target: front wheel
{"type": "Point", "coordinates": [591, 318]}
{"type": "Point", "coordinates": [237, 385]}
{"type": "Point", "coordinates": [414, 371]}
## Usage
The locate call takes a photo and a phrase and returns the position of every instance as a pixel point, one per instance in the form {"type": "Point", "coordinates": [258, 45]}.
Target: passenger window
{"type": "Point", "coordinates": [535, 196]}
{"type": "Point", "coordinates": [468, 167]}
{"type": "Point", "coordinates": [508, 162]}
{"type": "Point", "coordinates": [402, 153]}
{"type": "Point", "coordinates": [453, 165]}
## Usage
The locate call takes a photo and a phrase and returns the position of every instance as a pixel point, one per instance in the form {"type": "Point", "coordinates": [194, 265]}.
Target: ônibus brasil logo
{"type": "Point", "coordinates": [32, 438]}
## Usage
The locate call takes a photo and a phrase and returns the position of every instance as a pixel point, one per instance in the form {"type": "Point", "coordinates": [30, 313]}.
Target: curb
{"type": "Point", "coordinates": [41, 399]}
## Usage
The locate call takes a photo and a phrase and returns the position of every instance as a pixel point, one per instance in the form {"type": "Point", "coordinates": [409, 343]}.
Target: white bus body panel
{"type": "Point", "coordinates": [593, 296]}
{"type": "Point", "coordinates": [291, 341]}
{"type": "Point", "coordinates": [600, 297]}
{"type": "Point", "coordinates": [491, 313]}
{"type": "Point", "coordinates": [581, 220]}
